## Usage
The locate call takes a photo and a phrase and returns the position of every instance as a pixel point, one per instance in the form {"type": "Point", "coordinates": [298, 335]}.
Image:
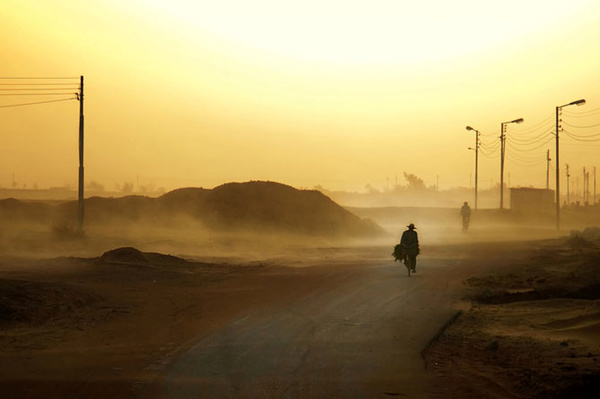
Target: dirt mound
{"type": "Point", "coordinates": [256, 206]}
{"type": "Point", "coordinates": [40, 303]}
{"type": "Point", "coordinates": [130, 255]}
{"type": "Point", "coordinates": [124, 255]}
{"type": "Point", "coordinates": [268, 207]}
{"type": "Point", "coordinates": [273, 206]}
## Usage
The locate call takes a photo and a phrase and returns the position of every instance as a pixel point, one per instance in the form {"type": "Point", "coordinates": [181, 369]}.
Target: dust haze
{"type": "Point", "coordinates": [259, 218]}
{"type": "Point", "coordinates": [175, 296]}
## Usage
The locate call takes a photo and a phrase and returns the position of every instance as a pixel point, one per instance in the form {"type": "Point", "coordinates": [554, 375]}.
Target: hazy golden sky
{"type": "Point", "coordinates": [314, 92]}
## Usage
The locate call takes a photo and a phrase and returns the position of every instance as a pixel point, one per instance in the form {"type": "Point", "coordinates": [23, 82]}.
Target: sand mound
{"type": "Point", "coordinates": [124, 255]}
{"type": "Point", "coordinates": [274, 206]}
{"type": "Point", "coordinates": [256, 206]}
{"type": "Point", "coordinates": [133, 256]}
{"type": "Point", "coordinates": [268, 206]}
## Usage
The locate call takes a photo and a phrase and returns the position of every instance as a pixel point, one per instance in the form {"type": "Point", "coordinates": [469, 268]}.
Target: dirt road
{"type": "Point", "coordinates": [348, 330]}
{"type": "Point", "coordinates": [322, 322]}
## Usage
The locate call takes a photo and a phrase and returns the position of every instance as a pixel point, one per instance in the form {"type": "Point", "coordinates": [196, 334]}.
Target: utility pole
{"type": "Point", "coordinates": [594, 185]}
{"type": "Point", "coordinates": [476, 160]}
{"type": "Point", "coordinates": [568, 189]}
{"type": "Point", "coordinates": [80, 206]}
{"type": "Point", "coordinates": [587, 178]}
{"type": "Point", "coordinates": [558, 127]}
{"type": "Point", "coordinates": [502, 152]}
{"type": "Point", "coordinates": [502, 141]}
{"type": "Point", "coordinates": [548, 169]}
{"type": "Point", "coordinates": [583, 188]}
{"type": "Point", "coordinates": [587, 187]}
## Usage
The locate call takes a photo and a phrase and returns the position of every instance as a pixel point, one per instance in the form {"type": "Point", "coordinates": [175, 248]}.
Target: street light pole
{"type": "Point", "coordinates": [502, 152]}
{"type": "Point", "coordinates": [558, 111]}
{"type": "Point", "coordinates": [476, 160]}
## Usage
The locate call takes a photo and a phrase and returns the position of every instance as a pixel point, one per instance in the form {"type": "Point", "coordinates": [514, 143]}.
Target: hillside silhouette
{"type": "Point", "coordinates": [255, 206]}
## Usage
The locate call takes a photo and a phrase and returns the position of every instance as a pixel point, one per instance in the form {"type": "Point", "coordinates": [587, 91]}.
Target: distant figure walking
{"type": "Point", "coordinates": [410, 248]}
{"type": "Point", "coordinates": [465, 212]}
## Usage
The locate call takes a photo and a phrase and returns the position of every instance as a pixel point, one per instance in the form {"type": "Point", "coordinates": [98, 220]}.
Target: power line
{"type": "Point", "coordinates": [582, 135]}
{"type": "Point", "coordinates": [531, 140]}
{"type": "Point", "coordinates": [538, 126]}
{"type": "Point", "coordinates": [37, 102]}
{"type": "Point", "coordinates": [584, 114]}
{"type": "Point", "coordinates": [525, 163]}
{"type": "Point", "coordinates": [582, 138]}
{"type": "Point", "coordinates": [581, 127]}
{"type": "Point", "coordinates": [35, 94]}
{"type": "Point", "coordinates": [36, 77]}
{"type": "Point", "coordinates": [39, 89]}
{"type": "Point", "coordinates": [514, 147]}
{"type": "Point", "coordinates": [36, 84]}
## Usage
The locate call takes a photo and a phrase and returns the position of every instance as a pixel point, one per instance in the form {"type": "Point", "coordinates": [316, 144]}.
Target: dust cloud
{"type": "Point", "coordinates": [255, 219]}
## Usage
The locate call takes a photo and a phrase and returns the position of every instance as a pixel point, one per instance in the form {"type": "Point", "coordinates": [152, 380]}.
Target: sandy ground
{"type": "Point", "coordinates": [321, 322]}
{"type": "Point", "coordinates": [533, 330]}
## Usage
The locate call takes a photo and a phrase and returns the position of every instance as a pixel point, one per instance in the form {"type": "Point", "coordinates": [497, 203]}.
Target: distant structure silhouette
{"type": "Point", "coordinates": [465, 212]}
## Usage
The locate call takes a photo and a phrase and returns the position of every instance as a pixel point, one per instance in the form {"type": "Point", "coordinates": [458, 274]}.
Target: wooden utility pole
{"type": "Point", "coordinates": [587, 187]}
{"type": "Point", "coordinates": [568, 189]}
{"type": "Point", "coordinates": [502, 143]}
{"type": "Point", "coordinates": [583, 188]}
{"type": "Point", "coordinates": [548, 169]}
{"type": "Point", "coordinates": [80, 206]}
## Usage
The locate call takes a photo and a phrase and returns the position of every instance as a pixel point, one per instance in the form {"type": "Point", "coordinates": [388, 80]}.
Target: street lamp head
{"type": "Point", "coordinates": [578, 102]}
{"type": "Point", "coordinates": [520, 120]}
{"type": "Point", "coordinates": [470, 128]}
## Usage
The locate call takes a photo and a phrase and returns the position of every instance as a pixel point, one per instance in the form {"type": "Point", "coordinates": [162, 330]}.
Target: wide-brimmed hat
{"type": "Point", "coordinates": [411, 226]}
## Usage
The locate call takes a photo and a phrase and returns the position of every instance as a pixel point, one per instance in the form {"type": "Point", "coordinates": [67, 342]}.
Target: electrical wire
{"type": "Point", "coordinates": [524, 164]}
{"type": "Point", "coordinates": [40, 89]}
{"type": "Point", "coordinates": [37, 84]}
{"type": "Point", "coordinates": [584, 114]}
{"type": "Point", "coordinates": [495, 145]}
{"type": "Point", "coordinates": [491, 155]}
{"type": "Point", "coordinates": [36, 77]}
{"type": "Point", "coordinates": [584, 139]}
{"type": "Point", "coordinates": [538, 126]}
{"type": "Point", "coordinates": [542, 144]}
{"type": "Point", "coordinates": [35, 94]}
{"type": "Point", "coordinates": [582, 135]}
{"type": "Point", "coordinates": [530, 140]}
{"type": "Point", "coordinates": [37, 102]}
{"type": "Point", "coordinates": [581, 127]}
{"type": "Point", "coordinates": [522, 157]}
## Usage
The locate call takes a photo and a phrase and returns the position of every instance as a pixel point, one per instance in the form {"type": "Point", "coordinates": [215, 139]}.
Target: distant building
{"type": "Point", "coordinates": [531, 200]}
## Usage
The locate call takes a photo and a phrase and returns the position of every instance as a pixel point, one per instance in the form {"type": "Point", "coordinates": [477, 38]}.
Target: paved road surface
{"type": "Point", "coordinates": [354, 330]}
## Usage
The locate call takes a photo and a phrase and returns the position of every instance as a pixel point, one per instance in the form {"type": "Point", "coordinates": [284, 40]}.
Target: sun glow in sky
{"type": "Point", "coordinates": [369, 32]}
{"type": "Point", "coordinates": [333, 93]}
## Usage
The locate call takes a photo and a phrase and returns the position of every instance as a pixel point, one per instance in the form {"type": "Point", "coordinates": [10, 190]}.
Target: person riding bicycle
{"type": "Point", "coordinates": [410, 246]}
